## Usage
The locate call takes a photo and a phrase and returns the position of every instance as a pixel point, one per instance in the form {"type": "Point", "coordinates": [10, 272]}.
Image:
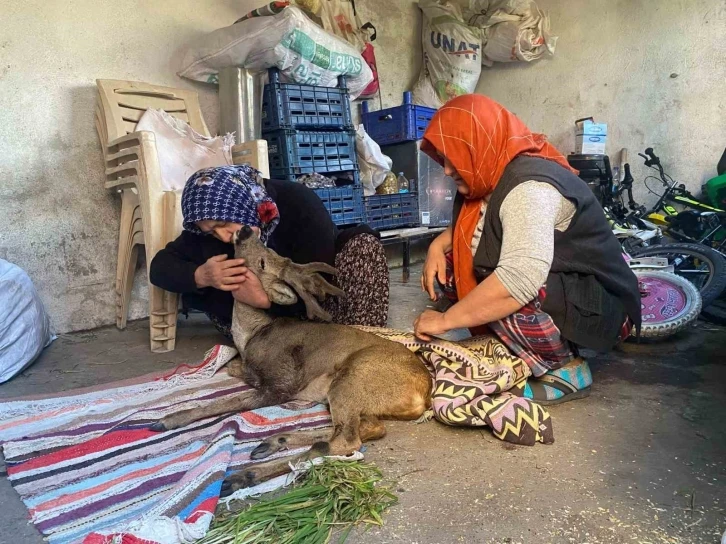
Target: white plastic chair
{"type": "Point", "coordinates": [149, 215]}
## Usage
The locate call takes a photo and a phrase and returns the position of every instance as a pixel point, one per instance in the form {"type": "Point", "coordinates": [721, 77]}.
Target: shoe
{"type": "Point", "coordinates": [571, 382]}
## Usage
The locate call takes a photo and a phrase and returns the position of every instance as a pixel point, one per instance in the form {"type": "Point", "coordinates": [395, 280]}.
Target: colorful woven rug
{"type": "Point", "coordinates": [90, 471]}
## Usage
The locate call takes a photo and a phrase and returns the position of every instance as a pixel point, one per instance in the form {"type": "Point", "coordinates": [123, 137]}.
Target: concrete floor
{"type": "Point", "coordinates": [642, 460]}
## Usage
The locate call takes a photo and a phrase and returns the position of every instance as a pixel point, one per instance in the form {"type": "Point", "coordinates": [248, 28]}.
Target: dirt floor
{"type": "Point", "coordinates": [641, 460]}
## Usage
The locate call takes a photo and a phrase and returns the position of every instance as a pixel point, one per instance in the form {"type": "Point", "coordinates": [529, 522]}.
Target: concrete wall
{"type": "Point", "coordinates": [56, 219]}
{"type": "Point", "coordinates": [654, 71]}
{"type": "Point", "coordinates": [613, 61]}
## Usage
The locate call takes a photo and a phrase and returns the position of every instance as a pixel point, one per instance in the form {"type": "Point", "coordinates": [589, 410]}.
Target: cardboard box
{"type": "Point", "coordinates": [590, 137]}
{"type": "Point", "coordinates": [435, 190]}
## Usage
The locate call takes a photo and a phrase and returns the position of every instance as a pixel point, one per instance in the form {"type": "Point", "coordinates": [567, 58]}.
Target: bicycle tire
{"type": "Point", "coordinates": [692, 307]}
{"type": "Point", "coordinates": [716, 283]}
{"type": "Point", "coordinates": [715, 313]}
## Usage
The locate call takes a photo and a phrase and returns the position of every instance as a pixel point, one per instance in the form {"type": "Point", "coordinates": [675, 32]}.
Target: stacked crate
{"type": "Point", "coordinates": [399, 131]}
{"type": "Point", "coordinates": [309, 130]}
{"type": "Point", "coordinates": [387, 127]}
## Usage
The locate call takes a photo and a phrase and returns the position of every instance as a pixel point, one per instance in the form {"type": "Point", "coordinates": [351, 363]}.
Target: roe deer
{"type": "Point", "coordinates": [362, 377]}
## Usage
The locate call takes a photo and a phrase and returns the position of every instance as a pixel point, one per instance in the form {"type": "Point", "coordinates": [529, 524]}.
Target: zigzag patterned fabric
{"type": "Point", "coordinates": [478, 382]}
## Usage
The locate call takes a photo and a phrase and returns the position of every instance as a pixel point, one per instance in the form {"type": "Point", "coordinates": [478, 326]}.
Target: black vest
{"type": "Point", "coordinates": [590, 288]}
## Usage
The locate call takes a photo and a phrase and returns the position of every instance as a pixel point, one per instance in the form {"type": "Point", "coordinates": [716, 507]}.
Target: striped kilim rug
{"type": "Point", "coordinates": [89, 470]}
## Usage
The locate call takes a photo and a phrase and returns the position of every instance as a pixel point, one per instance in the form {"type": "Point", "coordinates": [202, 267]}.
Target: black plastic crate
{"type": "Point", "coordinates": [384, 212]}
{"type": "Point", "coordinates": [395, 125]}
{"type": "Point", "coordinates": [292, 106]}
{"type": "Point", "coordinates": [295, 152]}
{"type": "Point", "coordinates": [344, 204]}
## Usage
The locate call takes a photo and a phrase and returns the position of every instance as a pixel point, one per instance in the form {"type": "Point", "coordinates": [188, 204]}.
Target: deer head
{"type": "Point", "coordinates": [282, 279]}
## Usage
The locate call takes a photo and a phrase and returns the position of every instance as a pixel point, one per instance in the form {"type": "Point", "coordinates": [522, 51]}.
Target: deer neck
{"type": "Point", "coordinates": [246, 323]}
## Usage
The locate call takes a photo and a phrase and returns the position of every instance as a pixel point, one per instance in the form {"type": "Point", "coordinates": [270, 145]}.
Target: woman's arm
{"type": "Point", "coordinates": [526, 257]}
{"type": "Point", "coordinates": [489, 301]}
{"type": "Point", "coordinates": [173, 268]}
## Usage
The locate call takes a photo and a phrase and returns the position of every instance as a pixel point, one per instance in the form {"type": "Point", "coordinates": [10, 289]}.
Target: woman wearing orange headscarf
{"type": "Point", "coordinates": [529, 255]}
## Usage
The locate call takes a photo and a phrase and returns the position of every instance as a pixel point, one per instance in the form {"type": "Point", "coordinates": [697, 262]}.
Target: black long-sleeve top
{"type": "Point", "coordinates": [304, 234]}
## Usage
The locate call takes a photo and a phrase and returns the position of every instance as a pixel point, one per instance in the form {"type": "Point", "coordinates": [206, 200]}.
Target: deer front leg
{"type": "Point", "coordinates": [261, 472]}
{"type": "Point", "coordinates": [235, 367]}
{"type": "Point", "coordinates": [241, 403]}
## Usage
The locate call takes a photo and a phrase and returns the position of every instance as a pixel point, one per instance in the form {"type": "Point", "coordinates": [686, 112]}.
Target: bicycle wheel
{"type": "Point", "coordinates": [702, 266]}
{"type": "Point", "coordinates": [668, 303]}
{"type": "Point", "coordinates": [716, 312]}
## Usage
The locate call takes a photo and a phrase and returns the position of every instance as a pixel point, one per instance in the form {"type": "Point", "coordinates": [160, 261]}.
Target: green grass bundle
{"type": "Point", "coordinates": [331, 497]}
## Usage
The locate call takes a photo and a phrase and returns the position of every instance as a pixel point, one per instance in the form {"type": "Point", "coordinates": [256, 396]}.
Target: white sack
{"type": "Point", "coordinates": [451, 54]}
{"type": "Point", "coordinates": [304, 52]}
{"type": "Point", "coordinates": [181, 150]}
{"type": "Point", "coordinates": [24, 325]}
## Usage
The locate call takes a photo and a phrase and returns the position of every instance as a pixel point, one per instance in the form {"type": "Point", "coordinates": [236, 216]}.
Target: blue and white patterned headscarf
{"type": "Point", "coordinates": [229, 193]}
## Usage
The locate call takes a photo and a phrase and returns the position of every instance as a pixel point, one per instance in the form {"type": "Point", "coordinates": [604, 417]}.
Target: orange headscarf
{"type": "Point", "coordinates": [480, 138]}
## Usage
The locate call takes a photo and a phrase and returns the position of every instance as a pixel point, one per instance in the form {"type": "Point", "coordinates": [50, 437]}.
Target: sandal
{"type": "Point", "coordinates": [568, 383]}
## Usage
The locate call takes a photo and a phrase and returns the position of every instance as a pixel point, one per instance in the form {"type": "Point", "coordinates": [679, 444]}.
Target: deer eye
{"type": "Point", "coordinates": [262, 264]}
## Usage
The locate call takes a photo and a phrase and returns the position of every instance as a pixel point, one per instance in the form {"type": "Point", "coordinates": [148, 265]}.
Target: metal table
{"type": "Point", "coordinates": [405, 237]}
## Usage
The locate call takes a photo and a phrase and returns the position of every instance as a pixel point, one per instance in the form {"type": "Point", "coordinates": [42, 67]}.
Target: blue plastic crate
{"type": "Point", "coordinates": [295, 152]}
{"type": "Point", "coordinates": [292, 106]}
{"type": "Point", "coordinates": [395, 125]}
{"type": "Point", "coordinates": [344, 204]}
{"type": "Point", "coordinates": [395, 211]}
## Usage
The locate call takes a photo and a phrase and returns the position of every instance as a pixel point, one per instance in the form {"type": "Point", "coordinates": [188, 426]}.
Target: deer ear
{"type": "Point", "coordinates": [280, 293]}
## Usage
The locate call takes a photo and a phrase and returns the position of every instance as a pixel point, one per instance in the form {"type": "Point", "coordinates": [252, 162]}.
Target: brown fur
{"type": "Point", "coordinates": [362, 377]}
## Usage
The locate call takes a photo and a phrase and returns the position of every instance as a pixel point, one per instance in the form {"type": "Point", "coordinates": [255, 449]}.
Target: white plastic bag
{"type": "Point", "coordinates": [24, 325]}
{"type": "Point", "coordinates": [304, 52]}
{"type": "Point", "coordinates": [373, 164]}
{"type": "Point", "coordinates": [181, 150]}
{"type": "Point", "coordinates": [452, 54]}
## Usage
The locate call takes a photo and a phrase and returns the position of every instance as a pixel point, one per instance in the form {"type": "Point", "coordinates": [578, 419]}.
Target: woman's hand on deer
{"type": "Point", "coordinates": [250, 292]}
{"type": "Point", "coordinates": [221, 272]}
{"type": "Point", "coordinates": [429, 324]}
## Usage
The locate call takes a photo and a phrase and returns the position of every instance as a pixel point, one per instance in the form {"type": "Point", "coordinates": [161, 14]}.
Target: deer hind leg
{"type": "Point", "coordinates": [371, 428]}
{"type": "Point", "coordinates": [239, 403]}
{"type": "Point", "coordinates": [288, 441]}
{"type": "Point", "coordinates": [345, 439]}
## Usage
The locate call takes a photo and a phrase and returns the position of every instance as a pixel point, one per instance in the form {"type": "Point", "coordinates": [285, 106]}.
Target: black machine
{"type": "Point", "coordinates": [595, 171]}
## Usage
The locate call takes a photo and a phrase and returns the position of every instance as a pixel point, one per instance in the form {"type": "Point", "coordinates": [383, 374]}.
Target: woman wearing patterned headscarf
{"type": "Point", "coordinates": [530, 255]}
{"type": "Point", "coordinates": [289, 218]}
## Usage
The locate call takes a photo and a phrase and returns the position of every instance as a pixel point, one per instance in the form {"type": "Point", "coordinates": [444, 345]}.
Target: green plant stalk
{"type": "Point", "coordinates": [333, 496]}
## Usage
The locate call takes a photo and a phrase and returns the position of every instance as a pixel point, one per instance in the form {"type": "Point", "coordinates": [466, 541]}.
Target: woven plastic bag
{"type": "Point", "coordinates": [24, 325]}
{"type": "Point", "coordinates": [452, 54]}
{"type": "Point", "coordinates": [303, 52]}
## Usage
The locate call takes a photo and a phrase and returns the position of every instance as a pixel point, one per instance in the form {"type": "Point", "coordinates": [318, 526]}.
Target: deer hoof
{"type": "Point", "coordinates": [158, 427]}
{"type": "Point", "coordinates": [239, 480]}
{"type": "Point", "coordinates": [269, 446]}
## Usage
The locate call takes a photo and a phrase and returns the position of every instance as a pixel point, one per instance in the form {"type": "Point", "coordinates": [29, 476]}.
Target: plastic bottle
{"type": "Point", "coordinates": [403, 184]}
